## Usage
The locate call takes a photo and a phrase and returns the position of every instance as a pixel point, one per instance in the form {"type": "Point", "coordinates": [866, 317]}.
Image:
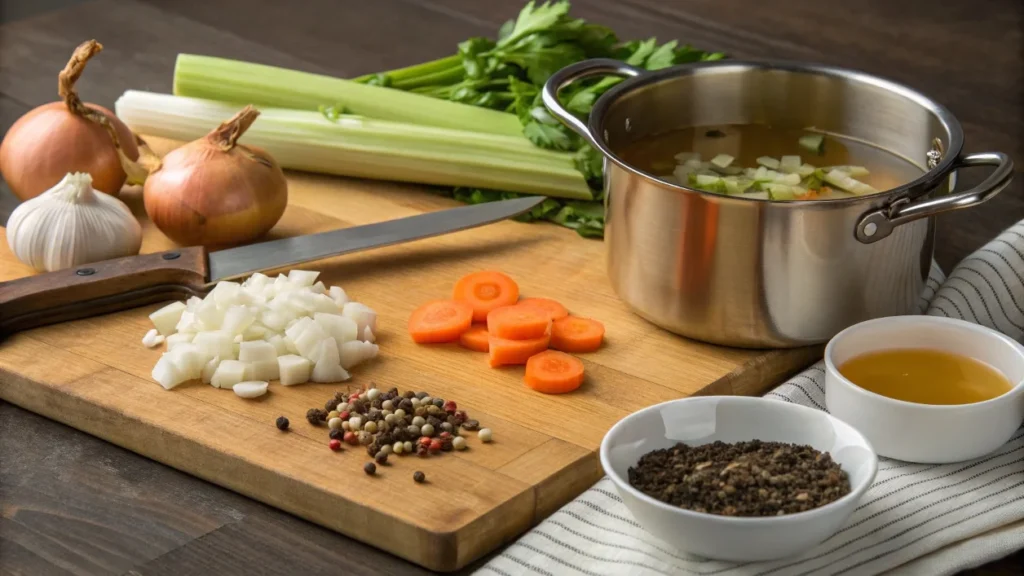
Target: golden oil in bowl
{"type": "Point", "coordinates": [925, 376]}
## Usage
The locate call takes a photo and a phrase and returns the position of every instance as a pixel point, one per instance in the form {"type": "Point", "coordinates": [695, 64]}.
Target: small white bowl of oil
{"type": "Point", "coordinates": [926, 389]}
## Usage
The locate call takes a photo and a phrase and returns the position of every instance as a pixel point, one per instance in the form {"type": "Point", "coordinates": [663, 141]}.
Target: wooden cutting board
{"type": "Point", "coordinates": [94, 375]}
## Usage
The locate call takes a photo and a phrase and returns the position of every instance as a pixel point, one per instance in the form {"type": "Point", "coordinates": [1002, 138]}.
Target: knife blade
{"type": "Point", "coordinates": [123, 283]}
{"type": "Point", "coordinates": [244, 260]}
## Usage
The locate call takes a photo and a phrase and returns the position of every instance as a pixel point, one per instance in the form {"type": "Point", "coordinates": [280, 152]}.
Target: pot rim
{"type": "Point", "coordinates": [926, 182]}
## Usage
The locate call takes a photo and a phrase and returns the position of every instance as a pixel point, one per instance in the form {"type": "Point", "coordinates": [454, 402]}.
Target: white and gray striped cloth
{"type": "Point", "coordinates": [918, 519]}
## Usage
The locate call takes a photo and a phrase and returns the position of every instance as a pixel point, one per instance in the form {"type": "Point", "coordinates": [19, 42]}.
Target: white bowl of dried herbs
{"type": "Point", "coordinates": [738, 479]}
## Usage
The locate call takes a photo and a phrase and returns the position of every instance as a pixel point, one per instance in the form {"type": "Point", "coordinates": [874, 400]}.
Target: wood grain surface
{"type": "Point", "coordinates": [73, 504]}
{"type": "Point", "coordinates": [96, 374]}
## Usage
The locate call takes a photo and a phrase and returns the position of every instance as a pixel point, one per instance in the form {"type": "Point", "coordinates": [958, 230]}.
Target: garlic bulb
{"type": "Point", "coordinates": [72, 224]}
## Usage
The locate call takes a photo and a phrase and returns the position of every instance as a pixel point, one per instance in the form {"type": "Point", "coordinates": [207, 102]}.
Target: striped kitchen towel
{"type": "Point", "coordinates": [913, 520]}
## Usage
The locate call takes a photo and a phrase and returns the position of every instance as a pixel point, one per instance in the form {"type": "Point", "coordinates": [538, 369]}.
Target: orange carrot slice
{"type": "Point", "coordinates": [553, 372]}
{"type": "Point", "coordinates": [507, 352]}
{"type": "Point", "coordinates": [476, 338]}
{"type": "Point", "coordinates": [518, 322]}
{"type": "Point", "coordinates": [575, 334]}
{"type": "Point", "coordinates": [440, 321]}
{"type": "Point", "coordinates": [553, 308]}
{"type": "Point", "coordinates": [485, 291]}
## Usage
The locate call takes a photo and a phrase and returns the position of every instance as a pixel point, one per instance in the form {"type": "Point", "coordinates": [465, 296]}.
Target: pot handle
{"type": "Point", "coordinates": [878, 224]}
{"type": "Point", "coordinates": [578, 71]}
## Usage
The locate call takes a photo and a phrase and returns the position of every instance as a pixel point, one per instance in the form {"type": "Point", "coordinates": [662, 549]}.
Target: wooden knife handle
{"type": "Point", "coordinates": [100, 288]}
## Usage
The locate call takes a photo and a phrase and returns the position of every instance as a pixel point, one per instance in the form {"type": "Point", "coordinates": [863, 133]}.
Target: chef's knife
{"type": "Point", "coordinates": [123, 283]}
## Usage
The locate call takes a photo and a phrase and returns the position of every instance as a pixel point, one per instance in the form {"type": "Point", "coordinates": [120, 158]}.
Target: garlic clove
{"type": "Point", "coordinates": [72, 224]}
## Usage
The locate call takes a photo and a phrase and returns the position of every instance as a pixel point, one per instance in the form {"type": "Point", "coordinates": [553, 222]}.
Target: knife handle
{"type": "Point", "coordinates": [101, 288]}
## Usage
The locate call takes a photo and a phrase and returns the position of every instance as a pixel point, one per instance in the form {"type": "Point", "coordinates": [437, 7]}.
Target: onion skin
{"type": "Point", "coordinates": [215, 192]}
{"type": "Point", "coordinates": [50, 141]}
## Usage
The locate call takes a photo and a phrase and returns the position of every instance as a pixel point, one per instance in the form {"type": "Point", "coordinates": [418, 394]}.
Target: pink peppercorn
{"type": "Point", "coordinates": [450, 406]}
{"type": "Point", "coordinates": [424, 441]}
{"type": "Point", "coordinates": [435, 445]}
{"type": "Point", "coordinates": [335, 445]}
{"type": "Point", "coordinates": [445, 435]}
{"type": "Point", "coordinates": [345, 415]}
{"type": "Point", "coordinates": [351, 438]}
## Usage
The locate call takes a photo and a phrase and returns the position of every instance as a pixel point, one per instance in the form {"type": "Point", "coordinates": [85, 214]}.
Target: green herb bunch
{"type": "Point", "coordinates": [508, 73]}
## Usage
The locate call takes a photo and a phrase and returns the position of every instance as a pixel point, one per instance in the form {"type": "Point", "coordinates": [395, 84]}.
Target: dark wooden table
{"type": "Point", "coordinates": [73, 504]}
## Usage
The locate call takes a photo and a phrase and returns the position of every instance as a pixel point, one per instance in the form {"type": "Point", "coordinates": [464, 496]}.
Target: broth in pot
{"type": "Point", "coordinates": [770, 163]}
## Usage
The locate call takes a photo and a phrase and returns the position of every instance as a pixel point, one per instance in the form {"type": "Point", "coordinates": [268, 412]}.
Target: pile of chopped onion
{"type": "Point", "coordinates": [290, 328]}
{"type": "Point", "coordinates": [786, 178]}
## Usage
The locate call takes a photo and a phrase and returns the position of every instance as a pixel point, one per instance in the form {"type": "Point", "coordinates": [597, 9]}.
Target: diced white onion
{"type": "Point", "coordinates": [302, 278]}
{"type": "Point", "coordinates": [290, 328]}
{"type": "Point", "coordinates": [328, 364]}
{"type": "Point", "coordinates": [228, 373]}
{"type": "Point", "coordinates": [293, 369]}
{"type": "Point", "coordinates": [166, 318]}
{"type": "Point", "coordinates": [179, 338]}
{"type": "Point", "coordinates": [257, 351]}
{"type": "Point", "coordinates": [209, 369]}
{"type": "Point", "coordinates": [250, 389]}
{"type": "Point", "coordinates": [166, 374]}
{"type": "Point", "coordinates": [363, 315]}
{"type": "Point", "coordinates": [152, 339]}
{"type": "Point", "coordinates": [308, 344]}
{"type": "Point", "coordinates": [355, 352]}
{"type": "Point", "coordinates": [338, 295]}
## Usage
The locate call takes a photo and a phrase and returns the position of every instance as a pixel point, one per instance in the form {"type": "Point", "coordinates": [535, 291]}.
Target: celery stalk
{"type": "Point", "coordinates": [447, 70]}
{"type": "Point", "coordinates": [367, 148]}
{"type": "Point", "coordinates": [236, 81]}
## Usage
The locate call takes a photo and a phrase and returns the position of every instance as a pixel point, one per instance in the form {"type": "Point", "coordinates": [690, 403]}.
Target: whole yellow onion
{"type": "Point", "coordinates": [216, 192]}
{"type": "Point", "coordinates": [58, 138]}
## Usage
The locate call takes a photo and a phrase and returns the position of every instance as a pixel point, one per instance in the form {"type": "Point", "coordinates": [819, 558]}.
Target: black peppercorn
{"type": "Point", "coordinates": [393, 393]}
{"type": "Point", "coordinates": [422, 451]}
{"type": "Point", "coordinates": [406, 405]}
{"type": "Point", "coordinates": [470, 425]}
{"type": "Point", "coordinates": [316, 416]}
{"type": "Point", "coordinates": [434, 421]}
{"type": "Point", "coordinates": [422, 395]}
{"type": "Point", "coordinates": [282, 423]}
{"type": "Point", "coordinates": [381, 458]}
{"type": "Point", "coordinates": [439, 402]}
{"type": "Point", "coordinates": [419, 477]}
{"type": "Point", "coordinates": [370, 468]}
{"type": "Point", "coordinates": [375, 413]}
{"type": "Point", "coordinates": [331, 404]}
{"type": "Point", "coordinates": [446, 444]}
{"type": "Point", "coordinates": [338, 434]}
{"type": "Point", "coordinates": [409, 394]}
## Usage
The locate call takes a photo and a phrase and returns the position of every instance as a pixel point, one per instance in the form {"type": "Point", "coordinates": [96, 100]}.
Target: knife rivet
{"type": "Point", "coordinates": [85, 272]}
{"type": "Point", "coordinates": [171, 256]}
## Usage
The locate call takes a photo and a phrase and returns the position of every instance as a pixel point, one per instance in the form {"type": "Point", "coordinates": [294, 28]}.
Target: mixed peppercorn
{"type": "Point", "coordinates": [394, 422]}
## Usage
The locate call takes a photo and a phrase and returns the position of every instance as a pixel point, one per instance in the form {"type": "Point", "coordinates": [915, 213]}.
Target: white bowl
{"type": "Point", "coordinates": [922, 432]}
{"type": "Point", "coordinates": [701, 420]}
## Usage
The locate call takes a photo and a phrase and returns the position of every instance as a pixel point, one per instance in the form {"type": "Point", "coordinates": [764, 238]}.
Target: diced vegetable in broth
{"type": "Point", "coordinates": [762, 162]}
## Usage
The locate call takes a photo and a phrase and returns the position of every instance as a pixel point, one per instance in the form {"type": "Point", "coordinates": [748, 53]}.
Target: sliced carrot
{"type": "Point", "coordinates": [440, 321]}
{"type": "Point", "coordinates": [518, 322]}
{"type": "Point", "coordinates": [553, 308]}
{"type": "Point", "coordinates": [485, 291]}
{"type": "Point", "coordinates": [506, 352]}
{"type": "Point", "coordinates": [553, 372]}
{"type": "Point", "coordinates": [575, 334]}
{"type": "Point", "coordinates": [475, 338]}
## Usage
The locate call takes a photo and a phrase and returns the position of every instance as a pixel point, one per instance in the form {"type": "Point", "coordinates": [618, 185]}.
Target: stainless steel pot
{"type": "Point", "coordinates": [756, 273]}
